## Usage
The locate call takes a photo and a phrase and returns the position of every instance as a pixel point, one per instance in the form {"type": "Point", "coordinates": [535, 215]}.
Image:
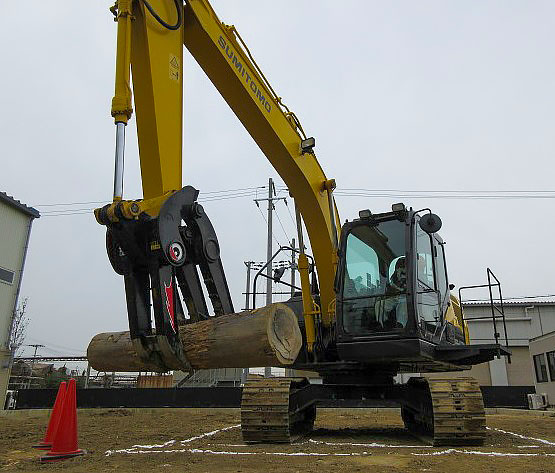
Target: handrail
{"type": "Point", "coordinates": [494, 308]}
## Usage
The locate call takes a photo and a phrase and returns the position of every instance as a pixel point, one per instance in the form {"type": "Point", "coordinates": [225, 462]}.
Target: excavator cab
{"type": "Point", "coordinates": [392, 283]}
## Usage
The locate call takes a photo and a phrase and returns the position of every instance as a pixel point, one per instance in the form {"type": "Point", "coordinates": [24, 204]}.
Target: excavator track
{"type": "Point", "coordinates": [447, 411]}
{"type": "Point", "coordinates": [276, 410]}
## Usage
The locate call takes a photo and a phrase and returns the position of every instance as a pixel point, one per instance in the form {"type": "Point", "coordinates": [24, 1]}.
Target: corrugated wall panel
{"type": "Point", "coordinates": [13, 235]}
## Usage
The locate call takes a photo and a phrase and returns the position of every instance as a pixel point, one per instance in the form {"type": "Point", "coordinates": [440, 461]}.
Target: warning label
{"type": "Point", "coordinates": [174, 67]}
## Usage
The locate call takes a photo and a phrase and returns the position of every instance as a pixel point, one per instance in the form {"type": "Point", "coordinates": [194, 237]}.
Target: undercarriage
{"type": "Point", "coordinates": [441, 411]}
{"type": "Point", "coordinates": [276, 410]}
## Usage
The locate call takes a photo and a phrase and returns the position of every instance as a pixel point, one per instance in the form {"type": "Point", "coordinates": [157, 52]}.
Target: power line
{"type": "Point", "coordinates": [71, 203]}
{"type": "Point", "coordinates": [499, 193]}
{"type": "Point", "coordinates": [448, 197]}
{"type": "Point", "coordinates": [234, 190]}
{"type": "Point", "coordinates": [66, 214]}
{"type": "Point", "coordinates": [443, 194]}
{"type": "Point", "coordinates": [445, 191]}
{"type": "Point", "coordinates": [452, 191]}
{"type": "Point", "coordinates": [266, 220]}
{"type": "Point", "coordinates": [55, 345]}
{"type": "Point", "coordinates": [213, 196]}
{"type": "Point", "coordinates": [202, 193]}
{"type": "Point", "coordinates": [290, 214]}
{"type": "Point", "coordinates": [60, 213]}
{"type": "Point", "coordinates": [226, 197]}
{"type": "Point", "coordinates": [282, 227]}
{"type": "Point", "coordinates": [62, 352]}
{"type": "Point", "coordinates": [68, 210]}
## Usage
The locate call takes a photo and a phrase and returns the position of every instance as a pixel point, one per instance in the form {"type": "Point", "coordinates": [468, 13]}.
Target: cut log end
{"type": "Point", "coordinates": [285, 334]}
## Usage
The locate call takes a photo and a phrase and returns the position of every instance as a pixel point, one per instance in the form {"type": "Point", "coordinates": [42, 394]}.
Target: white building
{"type": "Point", "coordinates": [542, 352]}
{"type": "Point", "coordinates": [15, 229]}
{"type": "Point", "coordinates": [524, 321]}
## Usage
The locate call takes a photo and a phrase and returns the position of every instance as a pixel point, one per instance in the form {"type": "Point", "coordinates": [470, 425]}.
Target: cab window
{"type": "Point", "coordinates": [427, 300]}
{"type": "Point", "coordinates": [425, 260]}
{"type": "Point", "coordinates": [362, 268]}
{"type": "Point", "coordinates": [441, 271]}
{"type": "Point", "coordinates": [375, 279]}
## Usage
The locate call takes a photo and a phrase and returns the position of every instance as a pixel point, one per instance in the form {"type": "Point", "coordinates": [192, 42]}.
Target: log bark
{"type": "Point", "coordinates": [269, 336]}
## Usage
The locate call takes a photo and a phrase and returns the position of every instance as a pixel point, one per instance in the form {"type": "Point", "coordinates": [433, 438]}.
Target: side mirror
{"type": "Point", "coordinates": [451, 287]}
{"type": "Point", "coordinates": [430, 223]}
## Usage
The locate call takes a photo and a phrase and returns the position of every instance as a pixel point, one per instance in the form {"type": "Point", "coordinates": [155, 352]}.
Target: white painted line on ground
{"type": "Point", "coordinates": [285, 454]}
{"type": "Point", "coordinates": [162, 448]}
{"type": "Point", "coordinates": [450, 451]}
{"type": "Point", "coordinates": [231, 444]}
{"type": "Point", "coordinates": [209, 434]}
{"type": "Point", "coordinates": [547, 442]}
{"type": "Point", "coordinates": [166, 444]}
{"type": "Point", "coordinates": [223, 452]}
{"type": "Point", "coordinates": [135, 448]}
{"type": "Point", "coordinates": [371, 445]}
{"type": "Point", "coordinates": [332, 444]}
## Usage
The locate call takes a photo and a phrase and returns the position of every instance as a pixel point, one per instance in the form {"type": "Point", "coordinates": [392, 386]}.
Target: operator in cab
{"type": "Point", "coordinates": [391, 308]}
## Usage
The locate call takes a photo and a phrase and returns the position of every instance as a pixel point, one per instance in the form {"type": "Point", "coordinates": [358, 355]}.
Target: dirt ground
{"type": "Point", "coordinates": [209, 440]}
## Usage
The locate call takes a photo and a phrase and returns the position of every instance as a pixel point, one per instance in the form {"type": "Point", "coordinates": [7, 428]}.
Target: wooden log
{"type": "Point", "coordinates": [268, 336]}
{"type": "Point", "coordinates": [114, 351]}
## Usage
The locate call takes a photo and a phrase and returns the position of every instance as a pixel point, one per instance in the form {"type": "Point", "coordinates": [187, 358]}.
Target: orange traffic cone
{"type": "Point", "coordinates": [65, 439]}
{"type": "Point", "coordinates": [46, 444]}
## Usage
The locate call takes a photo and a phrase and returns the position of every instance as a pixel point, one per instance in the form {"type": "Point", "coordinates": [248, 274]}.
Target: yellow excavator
{"type": "Point", "coordinates": [375, 300]}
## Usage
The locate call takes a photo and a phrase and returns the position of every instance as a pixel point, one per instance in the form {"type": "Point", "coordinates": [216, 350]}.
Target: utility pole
{"type": "Point", "coordinates": [36, 346]}
{"type": "Point", "coordinates": [269, 249]}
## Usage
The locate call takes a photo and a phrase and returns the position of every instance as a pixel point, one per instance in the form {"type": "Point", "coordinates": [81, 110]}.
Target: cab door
{"type": "Point", "coordinates": [427, 292]}
{"type": "Point", "coordinates": [440, 267]}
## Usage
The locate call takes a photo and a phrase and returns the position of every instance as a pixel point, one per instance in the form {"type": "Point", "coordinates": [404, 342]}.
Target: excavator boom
{"type": "Point", "coordinates": [227, 62]}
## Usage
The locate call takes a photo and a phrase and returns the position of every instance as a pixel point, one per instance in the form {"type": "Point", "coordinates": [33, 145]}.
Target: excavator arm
{"type": "Point", "coordinates": [146, 240]}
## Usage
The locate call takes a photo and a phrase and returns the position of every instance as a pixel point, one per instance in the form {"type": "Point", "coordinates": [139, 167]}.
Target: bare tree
{"type": "Point", "coordinates": [18, 331]}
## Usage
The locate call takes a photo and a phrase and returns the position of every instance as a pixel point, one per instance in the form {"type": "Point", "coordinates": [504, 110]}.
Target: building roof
{"type": "Point", "coordinates": [521, 303]}
{"type": "Point", "coordinates": [543, 336]}
{"type": "Point", "coordinates": [8, 199]}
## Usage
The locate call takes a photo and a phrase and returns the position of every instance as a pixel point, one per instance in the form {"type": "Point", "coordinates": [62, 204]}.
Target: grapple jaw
{"type": "Point", "coordinates": [160, 258]}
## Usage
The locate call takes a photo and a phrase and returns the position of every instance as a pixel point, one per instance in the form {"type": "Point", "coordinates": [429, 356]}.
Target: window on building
{"type": "Point", "coordinates": [541, 368]}
{"type": "Point", "coordinates": [6, 276]}
{"type": "Point", "coordinates": [551, 364]}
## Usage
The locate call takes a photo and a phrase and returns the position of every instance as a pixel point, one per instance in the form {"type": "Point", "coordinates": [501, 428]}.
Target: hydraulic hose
{"type": "Point", "coordinates": [178, 7]}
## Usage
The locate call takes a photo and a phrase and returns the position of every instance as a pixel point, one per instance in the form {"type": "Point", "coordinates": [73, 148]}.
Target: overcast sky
{"type": "Point", "coordinates": [400, 95]}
